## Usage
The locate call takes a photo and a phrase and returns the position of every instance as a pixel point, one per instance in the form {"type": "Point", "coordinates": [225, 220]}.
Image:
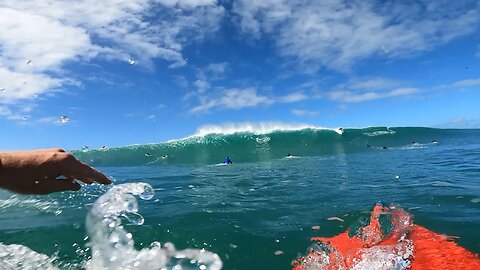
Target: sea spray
{"type": "Point", "coordinates": [113, 247]}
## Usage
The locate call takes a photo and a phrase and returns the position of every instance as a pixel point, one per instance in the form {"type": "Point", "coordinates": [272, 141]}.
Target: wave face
{"type": "Point", "coordinates": [253, 146]}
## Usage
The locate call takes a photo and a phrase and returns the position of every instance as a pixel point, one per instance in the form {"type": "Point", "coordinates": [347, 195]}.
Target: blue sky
{"type": "Point", "coordinates": [144, 71]}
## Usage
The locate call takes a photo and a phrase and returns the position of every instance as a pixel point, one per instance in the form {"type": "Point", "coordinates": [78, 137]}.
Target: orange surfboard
{"type": "Point", "coordinates": [405, 246]}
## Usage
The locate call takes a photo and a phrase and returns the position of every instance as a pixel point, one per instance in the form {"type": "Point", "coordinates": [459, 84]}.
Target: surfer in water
{"type": "Point", "coordinates": [289, 155]}
{"type": "Point", "coordinates": [227, 160]}
{"type": "Point", "coordinates": [384, 147]}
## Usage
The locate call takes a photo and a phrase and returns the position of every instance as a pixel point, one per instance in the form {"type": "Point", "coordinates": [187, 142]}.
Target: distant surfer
{"type": "Point", "coordinates": [148, 154]}
{"type": "Point", "coordinates": [227, 160]}
{"type": "Point", "coordinates": [434, 141]}
{"type": "Point", "coordinates": [384, 147]}
{"type": "Point", "coordinates": [369, 146]}
{"type": "Point", "coordinates": [414, 142]}
{"type": "Point", "coordinates": [103, 148]}
{"type": "Point", "coordinates": [289, 155]}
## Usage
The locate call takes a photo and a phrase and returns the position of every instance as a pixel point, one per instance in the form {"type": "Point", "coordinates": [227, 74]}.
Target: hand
{"type": "Point", "coordinates": [38, 172]}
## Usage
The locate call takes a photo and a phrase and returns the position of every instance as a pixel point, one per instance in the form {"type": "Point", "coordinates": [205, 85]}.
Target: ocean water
{"type": "Point", "coordinates": [259, 213]}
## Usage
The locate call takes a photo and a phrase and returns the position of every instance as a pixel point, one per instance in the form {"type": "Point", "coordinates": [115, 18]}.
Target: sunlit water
{"type": "Point", "coordinates": [253, 215]}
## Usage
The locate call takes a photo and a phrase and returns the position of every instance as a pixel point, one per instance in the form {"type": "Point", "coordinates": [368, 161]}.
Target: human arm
{"type": "Point", "coordinates": [38, 172]}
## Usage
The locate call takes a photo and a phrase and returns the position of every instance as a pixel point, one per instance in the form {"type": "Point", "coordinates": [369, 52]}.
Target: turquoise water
{"type": "Point", "coordinates": [258, 213]}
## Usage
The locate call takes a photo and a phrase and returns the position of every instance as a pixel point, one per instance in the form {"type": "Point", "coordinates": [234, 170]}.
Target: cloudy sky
{"type": "Point", "coordinates": [118, 72]}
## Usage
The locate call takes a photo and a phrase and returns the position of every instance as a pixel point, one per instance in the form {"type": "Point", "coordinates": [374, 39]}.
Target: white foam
{"type": "Point", "coordinates": [380, 133]}
{"type": "Point", "coordinates": [385, 257]}
{"type": "Point", "coordinates": [18, 257]}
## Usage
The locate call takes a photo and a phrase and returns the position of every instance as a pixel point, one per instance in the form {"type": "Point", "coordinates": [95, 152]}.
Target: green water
{"type": "Point", "coordinates": [265, 203]}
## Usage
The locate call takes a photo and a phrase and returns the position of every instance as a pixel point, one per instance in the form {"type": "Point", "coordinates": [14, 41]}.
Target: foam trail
{"type": "Point", "coordinates": [113, 247]}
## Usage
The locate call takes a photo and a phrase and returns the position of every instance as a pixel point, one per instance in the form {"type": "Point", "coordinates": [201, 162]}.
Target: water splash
{"type": "Point", "coordinates": [21, 257]}
{"type": "Point", "coordinates": [113, 247]}
{"type": "Point", "coordinates": [378, 242]}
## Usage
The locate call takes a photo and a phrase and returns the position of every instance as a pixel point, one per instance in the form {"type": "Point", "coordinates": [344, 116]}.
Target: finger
{"type": "Point", "coordinates": [58, 150]}
{"type": "Point", "coordinates": [56, 185]}
{"type": "Point", "coordinates": [85, 173]}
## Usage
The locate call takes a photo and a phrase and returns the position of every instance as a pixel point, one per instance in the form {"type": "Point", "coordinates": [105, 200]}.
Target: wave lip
{"type": "Point", "coordinates": [254, 128]}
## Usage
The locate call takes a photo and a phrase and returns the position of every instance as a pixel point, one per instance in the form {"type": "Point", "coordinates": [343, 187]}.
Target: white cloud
{"type": "Point", "coordinates": [360, 90]}
{"type": "Point", "coordinates": [151, 117]}
{"type": "Point", "coordinates": [5, 111]}
{"type": "Point", "coordinates": [462, 84]}
{"type": "Point", "coordinates": [206, 76]}
{"type": "Point", "coordinates": [293, 97]}
{"type": "Point", "coordinates": [238, 98]}
{"type": "Point", "coordinates": [353, 97]}
{"type": "Point", "coordinates": [299, 112]}
{"type": "Point", "coordinates": [372, 84]}
{"type": "Point", "coordinates": [201, 85]}
{"type": "Point", "coordinates": [338, 33]}
{"type": "Point", "coordinates": [38, 38]}
{"type": "Point", "coordinates": [233, 98]}
{"type": "Point", "coordinates": [461, 122]}
{"type": "Point", "coordinates": [217, 70]}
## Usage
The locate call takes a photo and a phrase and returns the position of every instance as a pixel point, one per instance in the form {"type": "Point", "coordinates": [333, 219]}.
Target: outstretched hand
{"type": "Point", "coordinates": [45, 171]}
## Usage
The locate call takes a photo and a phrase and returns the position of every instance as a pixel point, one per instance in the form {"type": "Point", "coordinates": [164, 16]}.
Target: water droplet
{"type": "Point", "coordinates": [131, 61]}
{"type": "Point", "coordinates": [37, 182]}
{"type": "Point", "coordinates": [133, 218]}
{"type": "Point", "coordinates": [276, 240]}
{"type": "Point", "coordinates": [316, 227]}
{"type": "Point", "coordinates": [202, 267]}
{"type": "Point", "coordinates": [155, 245]}
{"type": "Point", "coordinates": [397, 176]}
{"type": "Point", "coordinates": [147, 193]}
